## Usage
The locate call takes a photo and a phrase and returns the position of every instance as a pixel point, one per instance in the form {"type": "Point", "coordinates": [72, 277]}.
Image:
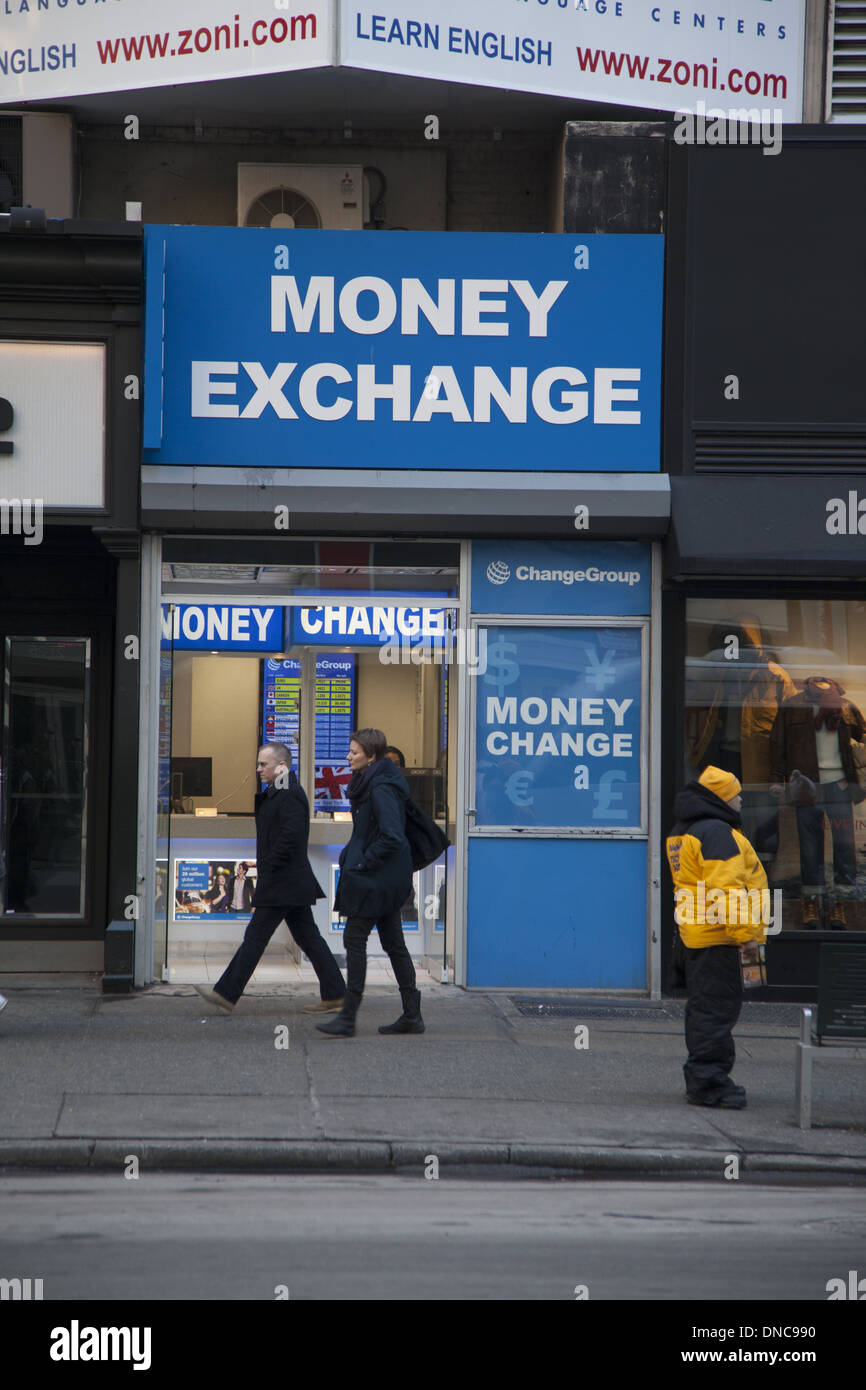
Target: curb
{"type": "Point", "coordinates": [384, 1156]}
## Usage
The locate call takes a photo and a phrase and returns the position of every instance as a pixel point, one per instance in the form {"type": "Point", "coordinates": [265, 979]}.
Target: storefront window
{"type": "Point", "coordinates": [266, 656]}
{"type": "Point", "coordinates": [775, 692]}
{"type": "Point", "coordinates": [44, 810]}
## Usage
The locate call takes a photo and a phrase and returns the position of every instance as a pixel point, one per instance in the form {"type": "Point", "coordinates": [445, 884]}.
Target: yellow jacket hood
{"type": "Point", "coordinates": [720, 887]}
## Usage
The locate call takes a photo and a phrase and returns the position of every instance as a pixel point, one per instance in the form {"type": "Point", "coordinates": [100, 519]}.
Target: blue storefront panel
{"type": "Point", "coordinates": [557, 853]}
{"type": "Point", "coordinates": [547, 914]}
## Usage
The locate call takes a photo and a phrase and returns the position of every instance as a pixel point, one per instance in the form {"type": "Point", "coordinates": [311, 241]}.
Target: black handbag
{"type": "Point", "coordinates": [426, 840]}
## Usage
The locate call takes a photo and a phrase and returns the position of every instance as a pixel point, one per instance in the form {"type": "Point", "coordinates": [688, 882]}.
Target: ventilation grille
{"type": "Point", "coordinates": [847, 64]}
{"type": "Point", "coordinates": [801, 452]}
{"type": "Point", "coordinates": [283, 207]}
{"type": "Point", "coordinates": [11, 163]}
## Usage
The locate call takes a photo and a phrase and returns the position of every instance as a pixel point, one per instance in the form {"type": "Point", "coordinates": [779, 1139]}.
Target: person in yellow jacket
{"type": "Point", "coordinates": [722, 901]}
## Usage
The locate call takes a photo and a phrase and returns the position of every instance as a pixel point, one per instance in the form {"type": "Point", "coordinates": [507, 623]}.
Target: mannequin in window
{"type": "Point", "coordinates": [731, 711]}
{"type": "Point", "coordinates": [813, 735]}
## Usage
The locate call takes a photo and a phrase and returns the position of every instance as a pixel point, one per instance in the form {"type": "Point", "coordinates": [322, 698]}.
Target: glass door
{"type": "Point", "coordinates": [216, 706]}
{"type": "Point", "coordinates": [162, 896]}
{"type": "Point", "coordinates": [352, 687]}
{"type": "Point", "coordinates": [236, 673]}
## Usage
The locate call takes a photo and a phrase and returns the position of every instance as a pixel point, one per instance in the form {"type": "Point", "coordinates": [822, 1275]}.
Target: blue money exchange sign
{"type": "Point", "coordinates": [421, 350]}
{"type": "Point", "coordinates": [558, 728]}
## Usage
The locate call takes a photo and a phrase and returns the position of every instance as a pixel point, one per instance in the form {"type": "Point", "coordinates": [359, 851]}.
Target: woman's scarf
{"type": "Point", "coordinates": [359, 781]}
{"type": "Point", "coordinates": [829, 701]}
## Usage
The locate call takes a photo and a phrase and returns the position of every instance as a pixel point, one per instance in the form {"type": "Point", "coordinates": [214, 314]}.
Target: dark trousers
{"type": "Point", "coordinates": [260, 929]}
{"type": "Point", "coordinates": [761, 823]}
{"type": "Point", "coordinates": [715, 986]}
{"type": "Point", "coordinates": [834, 802]}
{"type": "Point", "coordinates": [391, 936]}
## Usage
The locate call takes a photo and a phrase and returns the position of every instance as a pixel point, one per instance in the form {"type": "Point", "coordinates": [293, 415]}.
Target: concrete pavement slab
{"type": "Point", "coordinates": [185, 1116]}
{"type": "Point", "coordinates": [511, 1122]}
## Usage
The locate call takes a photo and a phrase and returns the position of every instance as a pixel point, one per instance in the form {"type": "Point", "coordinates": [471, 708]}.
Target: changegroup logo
{"type": "Point", "coordinates": [498, 572]}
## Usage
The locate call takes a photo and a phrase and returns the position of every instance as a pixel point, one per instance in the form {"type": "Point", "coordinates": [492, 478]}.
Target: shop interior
{"type": "Point", "coordinates": [310, 691]}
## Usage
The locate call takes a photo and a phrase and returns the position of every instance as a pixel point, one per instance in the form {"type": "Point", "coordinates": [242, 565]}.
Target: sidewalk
{"type": "Point", "coordinates": [87, 1079]}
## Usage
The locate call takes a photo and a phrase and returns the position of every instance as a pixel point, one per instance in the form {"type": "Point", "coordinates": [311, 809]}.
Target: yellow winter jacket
{"type": "Point", "coordinates": [721, 894]}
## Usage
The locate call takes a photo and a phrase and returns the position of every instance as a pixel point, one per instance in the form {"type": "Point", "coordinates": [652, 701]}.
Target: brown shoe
{"type": "Point", "coordinates": [836, 914]}
{"type": "Point", "coordinates": [811, 915]}
{"type": "Point", "coordinates": [211, 997]}
{"type": "Point", "coordinates": [324, 1006]}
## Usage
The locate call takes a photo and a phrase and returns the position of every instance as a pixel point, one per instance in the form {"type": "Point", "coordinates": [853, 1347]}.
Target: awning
{"type": "Point", "coordinates": [404, 502]}
{"type": "Point", "coordinates": [788, 525]}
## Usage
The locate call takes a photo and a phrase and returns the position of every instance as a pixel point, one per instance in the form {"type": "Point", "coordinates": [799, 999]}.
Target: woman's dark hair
{"type": "Point", "coordinates": [400, 757]}
{"type": "Point", "coordinates": [373, 741]}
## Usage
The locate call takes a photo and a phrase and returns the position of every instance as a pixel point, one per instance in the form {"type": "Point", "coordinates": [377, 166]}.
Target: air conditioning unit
{"type": "Point", "coordinates": [302, 195]}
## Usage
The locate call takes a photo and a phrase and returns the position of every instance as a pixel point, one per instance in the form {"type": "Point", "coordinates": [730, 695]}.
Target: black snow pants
{"type": "Point", "coordinates": [715, 987]}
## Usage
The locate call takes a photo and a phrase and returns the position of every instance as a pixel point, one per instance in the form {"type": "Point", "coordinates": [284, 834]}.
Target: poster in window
{"type": "Point", "coordinates": [224, 888]}
{"type": "Point", "coordinates": [558, 728]}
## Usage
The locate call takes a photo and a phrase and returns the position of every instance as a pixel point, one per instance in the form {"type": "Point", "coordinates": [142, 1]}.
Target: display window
{"type": "Point", "coordinates": [251, 655]}
{"type": "Point", "coordinates": [44, 783]}
{"type": "Point", "coordinates": [775, 692]}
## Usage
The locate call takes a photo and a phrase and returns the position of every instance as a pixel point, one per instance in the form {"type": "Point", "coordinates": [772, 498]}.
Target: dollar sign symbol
{"type": "Point", "coordinates": [500, 671]}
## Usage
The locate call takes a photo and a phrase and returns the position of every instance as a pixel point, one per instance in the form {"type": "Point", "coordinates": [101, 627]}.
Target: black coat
{"type": "Point", "coordinates": [793, 742]}
{"type": "Point", "coordinates": [376, 864]}
{"type": "Point", "coordinates": [283, 874]}
{"type": "Point", "coordinates": [247, 893]}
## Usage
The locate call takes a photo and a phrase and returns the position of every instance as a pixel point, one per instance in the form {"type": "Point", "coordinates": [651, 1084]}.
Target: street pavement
{"type": "Point", "coordinates": [388, 1237]}
{"type": "Point", "coordinates": [88, 1080]}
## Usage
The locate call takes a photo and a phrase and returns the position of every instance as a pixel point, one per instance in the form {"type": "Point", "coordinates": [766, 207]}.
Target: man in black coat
{"type": "Point", "coordinates": [285, 887]}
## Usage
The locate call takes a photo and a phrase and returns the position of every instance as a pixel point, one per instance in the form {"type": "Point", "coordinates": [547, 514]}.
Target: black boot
{"type": "Point", "coordinates": [343, 1026]}
{"type": "Point", "coordinates": [410, 1021]}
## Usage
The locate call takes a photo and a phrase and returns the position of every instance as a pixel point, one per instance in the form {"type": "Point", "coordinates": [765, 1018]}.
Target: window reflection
{"type": "Point", "coordinates": [774, 693]}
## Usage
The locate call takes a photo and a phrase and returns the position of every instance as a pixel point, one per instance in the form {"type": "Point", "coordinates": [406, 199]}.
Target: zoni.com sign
{"type": "Point", "coordinates": [402, 350]}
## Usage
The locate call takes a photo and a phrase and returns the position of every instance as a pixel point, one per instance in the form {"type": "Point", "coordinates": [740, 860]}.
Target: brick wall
{"type": "Point", "coordinates": [467, 181]}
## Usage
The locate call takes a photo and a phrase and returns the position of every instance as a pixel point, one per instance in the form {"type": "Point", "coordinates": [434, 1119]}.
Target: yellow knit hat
{"type": "Point", "coordinates": [724, 785]}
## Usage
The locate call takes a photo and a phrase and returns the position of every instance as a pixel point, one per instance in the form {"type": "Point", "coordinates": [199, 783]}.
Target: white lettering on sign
{"type": "Point", "coordinates": [559, 395]}
{"type": "Point", "coordinates": [333, 620]}
{"type": "Point", "coordinates": [484, 305]}
{"type": "Point", "coordinates": [216, 625]}
{"type": "Point", "coordinates": [535, 745]}
{"type": "Point", "coordinates": [533, 710]}
{"type": "Point", "coordinates": [593, 575]}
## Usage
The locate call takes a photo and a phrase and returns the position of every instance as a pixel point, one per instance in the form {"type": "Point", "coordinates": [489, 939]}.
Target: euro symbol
{"type": "Point", "coordinates": [517, 789]}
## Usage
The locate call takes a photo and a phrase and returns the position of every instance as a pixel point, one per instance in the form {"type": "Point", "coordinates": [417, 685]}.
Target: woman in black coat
{"type": "Point", "coordinates": [375, 880]}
